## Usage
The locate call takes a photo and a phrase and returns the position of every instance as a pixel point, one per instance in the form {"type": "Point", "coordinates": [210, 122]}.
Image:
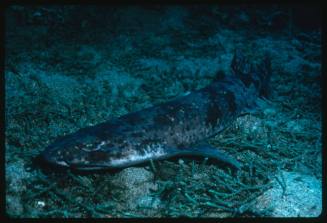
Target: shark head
{"type": "Point", "coordinates": [85, 151]}
{"type": "Point", "coordinates": [80, 151]}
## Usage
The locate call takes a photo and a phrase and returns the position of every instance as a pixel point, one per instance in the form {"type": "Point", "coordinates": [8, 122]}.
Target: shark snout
{"type": "Point", "coordinates": [52, 156]}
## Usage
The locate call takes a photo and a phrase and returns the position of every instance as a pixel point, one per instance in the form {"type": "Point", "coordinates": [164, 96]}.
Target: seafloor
{"type": "Point", "coordinates": [68, 67]}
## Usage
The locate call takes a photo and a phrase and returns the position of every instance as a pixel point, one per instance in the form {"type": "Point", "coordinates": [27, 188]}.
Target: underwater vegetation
{"type": "Point", "coordinates": [69, 67]}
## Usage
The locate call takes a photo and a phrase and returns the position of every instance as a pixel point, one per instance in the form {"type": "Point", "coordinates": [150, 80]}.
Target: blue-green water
{"type": "Point", "coordinates": [69, 67]}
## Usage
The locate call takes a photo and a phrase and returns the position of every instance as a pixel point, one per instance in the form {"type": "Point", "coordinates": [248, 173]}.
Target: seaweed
{"type": "Point", "coordinates": [57, 89]}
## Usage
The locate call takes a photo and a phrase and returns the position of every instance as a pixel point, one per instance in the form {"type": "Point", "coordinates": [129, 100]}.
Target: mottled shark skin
{"type": "Point", "coordinates": [168, 129]}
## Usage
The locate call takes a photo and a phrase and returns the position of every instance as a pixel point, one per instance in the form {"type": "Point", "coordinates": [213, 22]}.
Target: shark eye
{"type": "Point", "coordinates": [83, 146]}
{"type": "Point", "coordinates": [91, 147]}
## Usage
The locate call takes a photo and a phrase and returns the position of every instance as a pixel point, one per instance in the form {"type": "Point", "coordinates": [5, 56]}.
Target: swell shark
{"type": "Point", "coordinates": [169, 129]}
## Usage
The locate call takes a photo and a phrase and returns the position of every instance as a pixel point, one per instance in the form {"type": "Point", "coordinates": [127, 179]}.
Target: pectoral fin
{"type": "Point", "coordinates": [211, 152]}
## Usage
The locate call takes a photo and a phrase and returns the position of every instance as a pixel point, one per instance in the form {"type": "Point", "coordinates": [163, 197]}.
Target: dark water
{"type": "Point", "coordinates": [68, 67]}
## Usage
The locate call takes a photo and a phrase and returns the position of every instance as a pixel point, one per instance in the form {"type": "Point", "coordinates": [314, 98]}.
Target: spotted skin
{"type": "Point", "coordinates": [153, 132]}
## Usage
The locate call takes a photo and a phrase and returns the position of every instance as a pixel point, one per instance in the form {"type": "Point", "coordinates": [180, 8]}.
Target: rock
{"type": "Point", "coordinates": [15, 174]}
{"type": "Point", "coordinates": [294, 65]}
{"type": "Point", "coordinates": [148, 202]}
{"type": "Point", "coordinates": [302, 198]}
{"type": "Point", "coordinates": [14, 206]}
{"type": "Point", "coordinates": [293, 126]}
{"type": "Point", "coordinates": [15, 186]}
{"type": "Point", "coordinates": [271, 124]}
{"type": "Point", "coordinates": [251, 126]}
{"type": "Point", "coordinates": [133, 176]}
{"type": "Point", "coordinates": [299, 125]}
{"type": "Point", "coordinates": [155, 64]}
{"type": "Point", "coordinates": [269, 112]}
{"type": "Point", "coordinates": [134, 185]}
{"type": "Point", "coordinates": [217, 215]}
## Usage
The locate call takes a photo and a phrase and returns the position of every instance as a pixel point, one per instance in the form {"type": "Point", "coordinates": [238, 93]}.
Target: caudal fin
{"type": "Point", "coordinates": [257, 74]}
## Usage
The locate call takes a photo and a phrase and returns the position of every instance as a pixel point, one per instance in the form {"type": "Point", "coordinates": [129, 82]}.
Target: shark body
{"type": "Point", "coordinates": [168, 129]}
